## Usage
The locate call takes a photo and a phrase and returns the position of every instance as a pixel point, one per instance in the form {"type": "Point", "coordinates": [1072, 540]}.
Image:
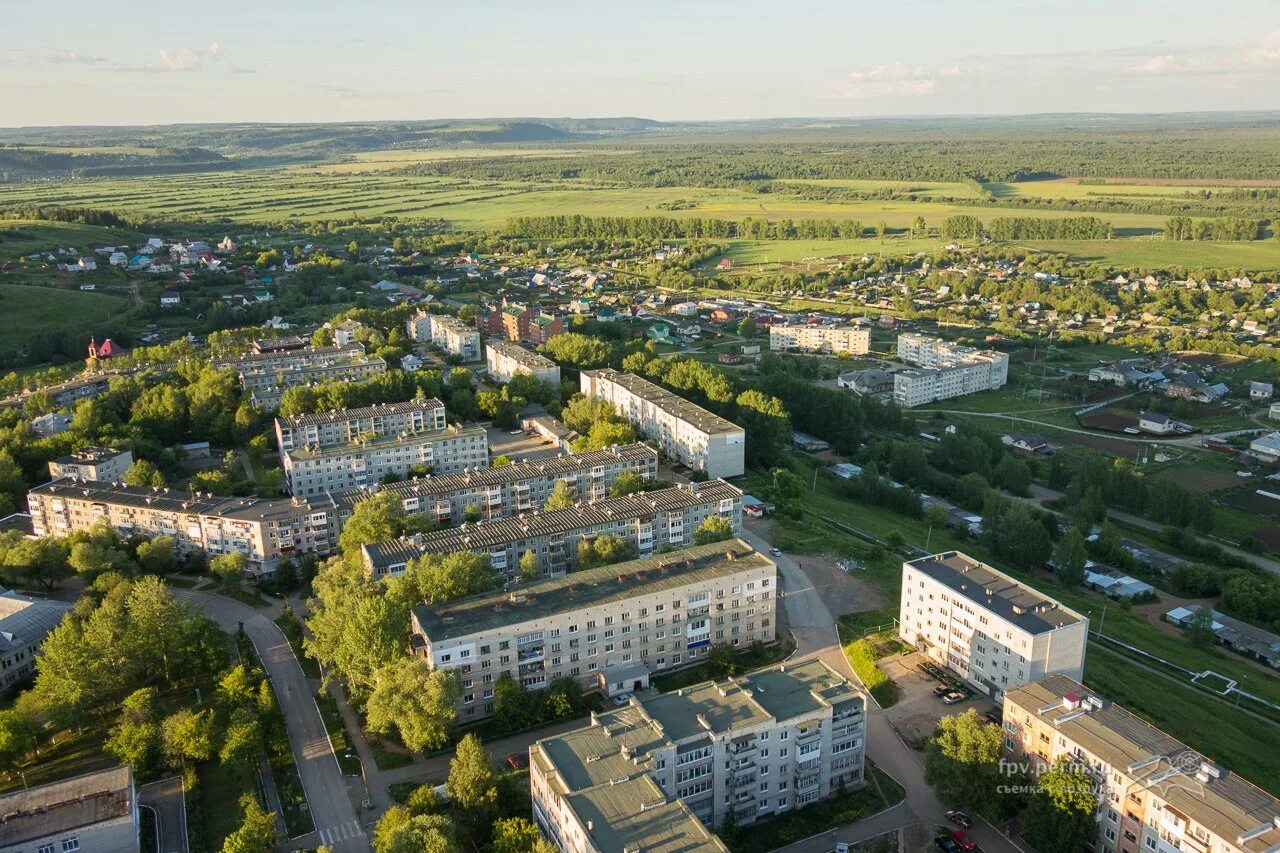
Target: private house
{"type": "Point", "coordinates": [1030, 444]}
{"type": "Point", "coordinates": [1156, 423]}
{"type": "Point", "coordinates": [1261, 390]}
{"type": "Point", "coordinates": [1266, 447]}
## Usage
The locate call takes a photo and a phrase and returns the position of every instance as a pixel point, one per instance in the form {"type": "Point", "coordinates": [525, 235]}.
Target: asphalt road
{"type": "Point", "coordinates": [164, 799]}
{"type": "Point", "coordinates": [336, 821]}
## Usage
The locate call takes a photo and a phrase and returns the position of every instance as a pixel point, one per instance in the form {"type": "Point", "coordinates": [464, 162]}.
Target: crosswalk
{"type": "Point", "coordinates": [333, 835]}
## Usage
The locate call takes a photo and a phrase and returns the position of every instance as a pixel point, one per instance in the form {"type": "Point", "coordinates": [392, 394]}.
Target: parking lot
{"type": "Point", "coordinates": [917, 711]}
{"type": "Point", "coordinates": [520, 447]}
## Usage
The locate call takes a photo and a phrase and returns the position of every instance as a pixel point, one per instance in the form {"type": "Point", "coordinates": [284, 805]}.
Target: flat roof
{"type": "Point", "coordinates": [90, 456]}
{"type": "Point", "coordinates": [996, 592]}
{"type": "Point", "coordinates": [524, 356]}
{"type": "Point", "coordinates": [669, 402]}
{"type": "Point", "coordinates": [288, 354]}
{"type": "Point", "coordinates": [378, 410]}
{"type": "Point", "coordinates": [164, 499]}
{"type": "Point", "coordinates": [1223, 802]}
{"type": "Point", "coordinates": [425, 436]}
{"type": "Point", "coordinates": [480, 535]}
{"type": "Point", "coordinates": [69, 804]}
{"type": "Point", "coordinates": [593, 587]}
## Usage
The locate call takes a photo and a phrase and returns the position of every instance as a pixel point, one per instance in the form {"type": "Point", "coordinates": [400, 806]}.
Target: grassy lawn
{"type": "Point", "coordinates": [1231, 738]}
{"type": "Point", "coordinates": [1162, 254]}
{"type": "Point", "coordinates": [348, 761]}
{"type": "Point", "coordinates": [23, 236]}
{"type": "Point", "coordinates": [27, 313]}
{"type": "Point", "coordinates": [292, 630]}
{"type": "Point", "coordinates": [387, 759]}
{"type": "Point", "coordinates": [220, 792]}
{"type": "Point", "coordinates": [862, 655]}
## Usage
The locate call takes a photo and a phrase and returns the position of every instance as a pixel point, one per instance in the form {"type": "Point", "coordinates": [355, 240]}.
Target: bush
{"type": "Point", "coordinates": [862, 656]}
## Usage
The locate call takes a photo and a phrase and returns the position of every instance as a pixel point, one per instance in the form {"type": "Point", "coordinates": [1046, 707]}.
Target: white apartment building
{"type": "Point", "coordinates": [663, 519]}
{"type": "Point", "coordinates": [24, 623]}
{"type": "Point", "coordinates": [505, 359]}
{"type": "Point", "coordinates": [454, 336]}
{"type": "Point", "coordinates": [658, 773]}
{"type": "Point", "coordinates": [363, 462]}
{"type": "Point", "coordinates": [850, 339]}
{"type": "Point", "coordinates": [418, 326]}
{"type": "Point", "coordinates": [990, 629]}
{"type": "Point", "coordinates": [946, 370]}
{"type": "Point", "coordinates": [267, 375]}
{"type": "Point", "coordinates": [96, 812]}
{"type": "Point", "coordinates": [511, 489]}
{"type": "Point", "coordinates": [104, 464]}
{"type": "Point", "coordinates": [1156, 795]}
{"type": "Point", "coordinates": [608, 628]}
{"type": "Point", "coordinates": [344, 426]}
{"type": "Point", "coordinates": [687, 433]}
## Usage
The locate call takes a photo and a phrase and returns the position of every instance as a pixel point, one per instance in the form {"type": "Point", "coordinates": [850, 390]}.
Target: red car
{"type": "Point", "coordinates": [518, 760]}
{"type": "Point", "coordinates": [963, 841]}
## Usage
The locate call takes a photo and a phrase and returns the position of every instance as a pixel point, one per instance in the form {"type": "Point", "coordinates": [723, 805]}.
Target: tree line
{"type": "Point", "coordinates": [1222, 228]}
{"type": "Point", "coordinates": [1007, 228]}
{"type": "Point", "coordinates": [669, 227]}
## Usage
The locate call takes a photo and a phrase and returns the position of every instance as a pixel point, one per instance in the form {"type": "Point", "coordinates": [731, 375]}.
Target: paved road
{"type": "Point", "coordinates": [164, 798]}
{"type": "Point", "coordinates": [337, 824]}
{"type": "Point", "coordinates": [816, 635]}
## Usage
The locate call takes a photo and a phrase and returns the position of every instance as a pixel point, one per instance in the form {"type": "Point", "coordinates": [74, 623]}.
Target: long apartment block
{"type": "Point", "coordinates": [649, 522]}
{"type": "Point", "coordinates": [685, 432]}
{"type": "Point", "coordinates": [1156, 794]}
{"type": "Point", "coordinates": [946, 370]}
{"type": "Point", "coordinates": [505, 359]}
{"type": "Point", "coordinates": [454, 336]}
{"type": "Point", "coordinates": [347, 425]}
{"type": "Point", "coordinates": [267, 375]}
{"type": "Point", "coordinates": [995, 632]}
{"type": "Point", "coordinates": [850, 339]}
{"type": "Point", "coordinates": [264, 531]}
{"type": "Point", "coordinates": [607, 628]}
{"type": "Point", "coordinates": [510, 489]}
{"type": "Point", "coordinates": [355, 464]}
{"type": "Point", "coordinates": [660, 772]}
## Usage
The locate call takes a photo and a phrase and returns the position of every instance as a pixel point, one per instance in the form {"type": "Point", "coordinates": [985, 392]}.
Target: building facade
{"type": "Point", "coordinates": [511, 489]}
{"type": "Point", "coordinates": [96, 812]}
{"type": "Point", "coordinates": [264, 531]}
{"type": "Point", "coordinates": [603, 627]}
{"type": "Point", "coordinates": [850, 339]}
{"type": "Point", "coordinates": [946, 370]}
{"type": "Point", "coordinates": [267, 375]}
{"type": "Point", "coordinates": [354, 465]}
{"type": "Point", "coordinates": [505, 359]}
{"type": "Point", "coordinates": [24, 623]}
{"type": "Point", "coordinates": [454, 336]}
{"type": "Point", "coordinates": [649, 522]}
{"type": "Point", "coordinates": [685, 432]}
{"type": "Point", "coordinates": [762, 744]}
{"type": "Point", "coordinates": [344, 426]}
{"type": "Point", "coordinates": [993, 631]}
{"type": "Point", "coordinates": [1156, 795]}
{"type": "Point", "coordinates": [105, 464]}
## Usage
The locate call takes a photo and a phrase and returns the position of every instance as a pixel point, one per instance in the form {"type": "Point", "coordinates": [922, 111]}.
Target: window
{"type": "Point", "coordinates": [70, 844]}
{"type": "Point", "coordinates": [45, 848]}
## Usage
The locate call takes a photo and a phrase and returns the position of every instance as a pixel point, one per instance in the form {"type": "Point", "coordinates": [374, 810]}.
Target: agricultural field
{"type": "Point", "coordinates": [1156, 253]}
{"type": "Point", "coordinates": [32, 312]}
{"type": "Point", "coordinates": [945, 189]}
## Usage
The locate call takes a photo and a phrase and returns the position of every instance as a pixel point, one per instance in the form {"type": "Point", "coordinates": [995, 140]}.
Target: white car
{"type": "Point", "coordinates": [516, 432]}
{"type": "Point", "coordinates": [622, 699]}
{"type": "Point", "coordinates": [777, 552]}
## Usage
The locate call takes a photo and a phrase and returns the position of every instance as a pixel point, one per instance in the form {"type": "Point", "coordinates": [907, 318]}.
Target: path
{"type": "Point", "coordinates": [336, 821]}
{"type": "Point", "coordinates": [165, 800]}
{"type": "Point", "coordinates": [1192, 441]}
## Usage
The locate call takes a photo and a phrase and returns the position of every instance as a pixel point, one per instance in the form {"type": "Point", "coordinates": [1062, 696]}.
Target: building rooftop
{"type": "Point", "coordinates": [593, 587]}
{"type": "Point", "coordinates": [252, 358]}
{"type": "Point", "coordinates": [90, 455]}
{"type": "Point", "coordinates": [672, 404]}
{"type": "Point", "coordinates": [405, 439]}
{"type": "Point", "coordinates": [168, 500]}
{"type": "Point", "coordinates": [1229, 806]}
{"type": "Point", "coordinates": [448, 321]}
{"type": "Point", "coordinates": [525, 357]}
{"type": "Point", "coordinates": [58, 807]}
{"type": "Point", "coordinates": [24, 620]}
{"type": "Point", "coordinates": [556, 466]}
{"type": "Point", "coordinates": [996, 592]}
{"type": "Point", "coordinates": [483, 535]}
{"type": "Point", "coordinates": [426, 404]}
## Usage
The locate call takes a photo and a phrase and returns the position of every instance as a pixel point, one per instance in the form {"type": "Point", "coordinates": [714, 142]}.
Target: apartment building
{"type": "Point", "coordinates": [316, 470]}
{"type": "Point", "coordinates": [511, 489]}
{"type": "Point", "coordinates": [517, 321]}
{"type": "Point", "coordinates": [850, 339]}
{"type": "Point", "coordinates": [24, 623]}
{"type": "Point", "coordinates": [454, 336]}
{"type": "Point", "coordinates": [96, 812]}
{"type": "Point", "coordinates": [264, 531]}
{"type": "Point", "coordinates": [687, 433]}
{"type": "Point", "coordinates": [993, 631]}
{"type": "Point", "coordinates": [267, 375]}
{"type": "Point", "coordinates": [658, 773]}
{"type": "Point", "coordinates": [946, 370]}
{"type": "Point", "coordinates": [505, 360]}
{"type": "Point", "coordinates": [344, 426]}
{"type": "Point", "coordinates": [93, 463]}
{"type": "Point", "coordinates": [608, 628]}
{"type": "Point", "coordinates": [649, 522]}
{"type": "Point", "coordinates": [418, 326]}
{"type": "Point", "coordinates": [1156, 794]}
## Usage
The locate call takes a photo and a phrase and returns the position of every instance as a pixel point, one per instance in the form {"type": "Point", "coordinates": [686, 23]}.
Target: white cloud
{"type": "Point", "coordinates": [215, 51]}
{"type": "Point", "coordinates": [1224, 60]}
{"type": "Point", "coordinates": [182, 60]}
{"type": "Point", "coordinates": [896, 79]}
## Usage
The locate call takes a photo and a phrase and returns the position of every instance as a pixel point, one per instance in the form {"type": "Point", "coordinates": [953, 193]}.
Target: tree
{"type": "Point", "coordinates": [188, 736]}
{"type": "Point", "coordinates": [418, 701]}
{"type": "Point", "coordinates": [919, 228]}
{"type": "Point", "coordinates": [747, 328]}
{"type": "Point", "coordinates": [236, 688]}
{"type": "Point", "coordinates": [42, 561]}
{"type": "Point", "coordinates": [159, 556]}
{"type": "Point", "coordinates": [1070, 558]}
{"type": "Point", "coordinates": [143, 473]}
{"type": "Point", "coordinates": [136, 738]}
{"type": "Point", "coordinates": [241, 745]}
{"type": "Point", "coordinates": [715, 529]}
{"type": "Point", "coordinates": [577, 350]}
{"type": "Point", "coordinates": [1199, 629]}
{"type": "Point", "coordinates": [560, 497]}
{"type": "Point", "coordinates": [768, 427]}
{"type": "Point", "coordinates": [472, 784]}
{"type": "Point", "coordinates": [962, 763]}
{"type": "Point", "coordinates": [513, 706]}
{"type": "Point", "coordinates": [229, 569]}
{"type": "Point", "coordinates": [530, 568]}
{"type": "Point", "coordinates": [376, 519]}
{"type": "Point", "coordinates": [17, 736]}
{"type": "Point", "coordinates": [257, 833]}
{"type": "Point", "coordinates": [501, 460]}
{"type": "Point", "coordinates": [605, 434]}
{"type": "Point", "coordinates": [1059, 816]}
{"type": "Point", "coordinates": [629, 483]}
{"type": "Point", "coordinates": [445, 577]}
{"type": "Point", "coordinates": [723, 659]}
{"type": "Point", "coordinates": [400, 831]}
{"type": "Point", "coordinates": [519, 835]}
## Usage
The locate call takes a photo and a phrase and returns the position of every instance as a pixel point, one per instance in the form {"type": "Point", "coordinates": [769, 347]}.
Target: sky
{"type": "Point", "coordinates": [130, 62]}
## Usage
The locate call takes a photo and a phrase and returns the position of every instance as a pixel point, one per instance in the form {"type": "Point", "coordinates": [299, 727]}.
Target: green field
{"type": "Point", "coordinates": [23, 236]}
{"type": "Point", "coordinates": [1156, 253]}
{"type": "Point", "coordinates": [30, 312]}
{"type": "Point", "coordinates": [1072, 188]}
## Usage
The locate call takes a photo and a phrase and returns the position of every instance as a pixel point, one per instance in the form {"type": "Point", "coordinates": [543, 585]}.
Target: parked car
{"type": "Point", "coordinates": [946, 844]}
{"type": "Point", "coordinates": [989, 718]}
{"type": "Point", "coordinates": [777, 552]}
{"type": "Point", "coordinates": [959, 818]}
{"type": "Point", "coordinates": [941, 690]}
{"type": "Point", "coordinates": [963, 841]}
{"type": "Point", "coordinates": [518, 760]}
{"type": "Point", "coordinates": [953, 697]}
{"type": "Point", "coordinates": [622, 699]}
